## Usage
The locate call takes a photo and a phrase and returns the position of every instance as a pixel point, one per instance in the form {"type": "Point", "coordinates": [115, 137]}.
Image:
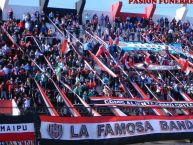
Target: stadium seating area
{"type": "Point", "coordinates": [55, 48]}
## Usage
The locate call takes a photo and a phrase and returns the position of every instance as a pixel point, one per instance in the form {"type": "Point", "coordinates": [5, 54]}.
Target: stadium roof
{"type": "Point", "coordinates": [99, 5]}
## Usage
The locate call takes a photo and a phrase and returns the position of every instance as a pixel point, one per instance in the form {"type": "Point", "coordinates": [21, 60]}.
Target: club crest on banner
{"type": "Point", "coordinates": [55, 131]}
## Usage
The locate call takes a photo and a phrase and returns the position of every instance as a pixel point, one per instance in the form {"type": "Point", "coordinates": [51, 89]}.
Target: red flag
{"type": "Point", "coordinates": [124, 57]}
{"type": "Point", "coordinates": [146, 53]}
{"type": "Point", "coordinates": [110, 41]}
{"type": "Point", "coordinates": [107, 54]}
{"type": "Point", "coordinates": [100, 51]}
{"type": "Point", "coordinates": [131, 63]}
{"type": "Point", "coordinates": [122, 87]}
{"type": "Point", "coordinates": [102, 66]}
{"type": "Point", "coordinates": [184, 64]}
{"type": "Point", "coordinates": [185, 68]}
{"type": "Point", "coordinates": [191, 52]}
{"type": "Point", "coordinates": [117, 41]}
{"type": "Point", "coordinates": [182, 61]}
{"type": "Point", "coordinates": [28, 44]}
{"type": "Point", "coordinates": [64, 46]}
{"type": "Point", "coordinates": [147, 61]}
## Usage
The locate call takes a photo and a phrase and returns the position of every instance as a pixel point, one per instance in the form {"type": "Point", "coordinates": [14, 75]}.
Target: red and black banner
{"type": "Point", "coordinates": [17, 128]}
{"type": "Point", "coordinates": [114, 130]}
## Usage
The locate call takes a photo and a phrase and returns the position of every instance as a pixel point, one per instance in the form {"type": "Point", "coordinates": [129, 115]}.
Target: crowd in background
{"type": "Point", "coordinates": [17, 71]}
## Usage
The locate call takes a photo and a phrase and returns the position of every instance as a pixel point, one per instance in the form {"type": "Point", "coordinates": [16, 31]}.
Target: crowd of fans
{"type": "Point", "coordinates": [39, 39]}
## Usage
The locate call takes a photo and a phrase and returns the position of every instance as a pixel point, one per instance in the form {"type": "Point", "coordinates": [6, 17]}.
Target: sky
{"type": "Point", "coordinates": [105, 5]}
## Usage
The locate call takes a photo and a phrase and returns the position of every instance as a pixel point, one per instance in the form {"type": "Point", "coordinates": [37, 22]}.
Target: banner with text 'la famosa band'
{"type": "Point", "coordinates": [109, 130]}
{"type": "Point", "coordinates": [17, 129]}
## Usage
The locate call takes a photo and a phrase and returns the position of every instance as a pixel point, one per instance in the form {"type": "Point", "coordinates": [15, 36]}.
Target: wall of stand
{"type": "Point", "coordinates": [79, 8]}
{"type": "Point", "coordinates": [116, 12]}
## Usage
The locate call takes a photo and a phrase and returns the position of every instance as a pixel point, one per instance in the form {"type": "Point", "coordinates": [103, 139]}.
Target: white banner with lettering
{"type": "Point", "coordinates": [130, 102]}
{"type": "Point", "coordinates": [89, 128]}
